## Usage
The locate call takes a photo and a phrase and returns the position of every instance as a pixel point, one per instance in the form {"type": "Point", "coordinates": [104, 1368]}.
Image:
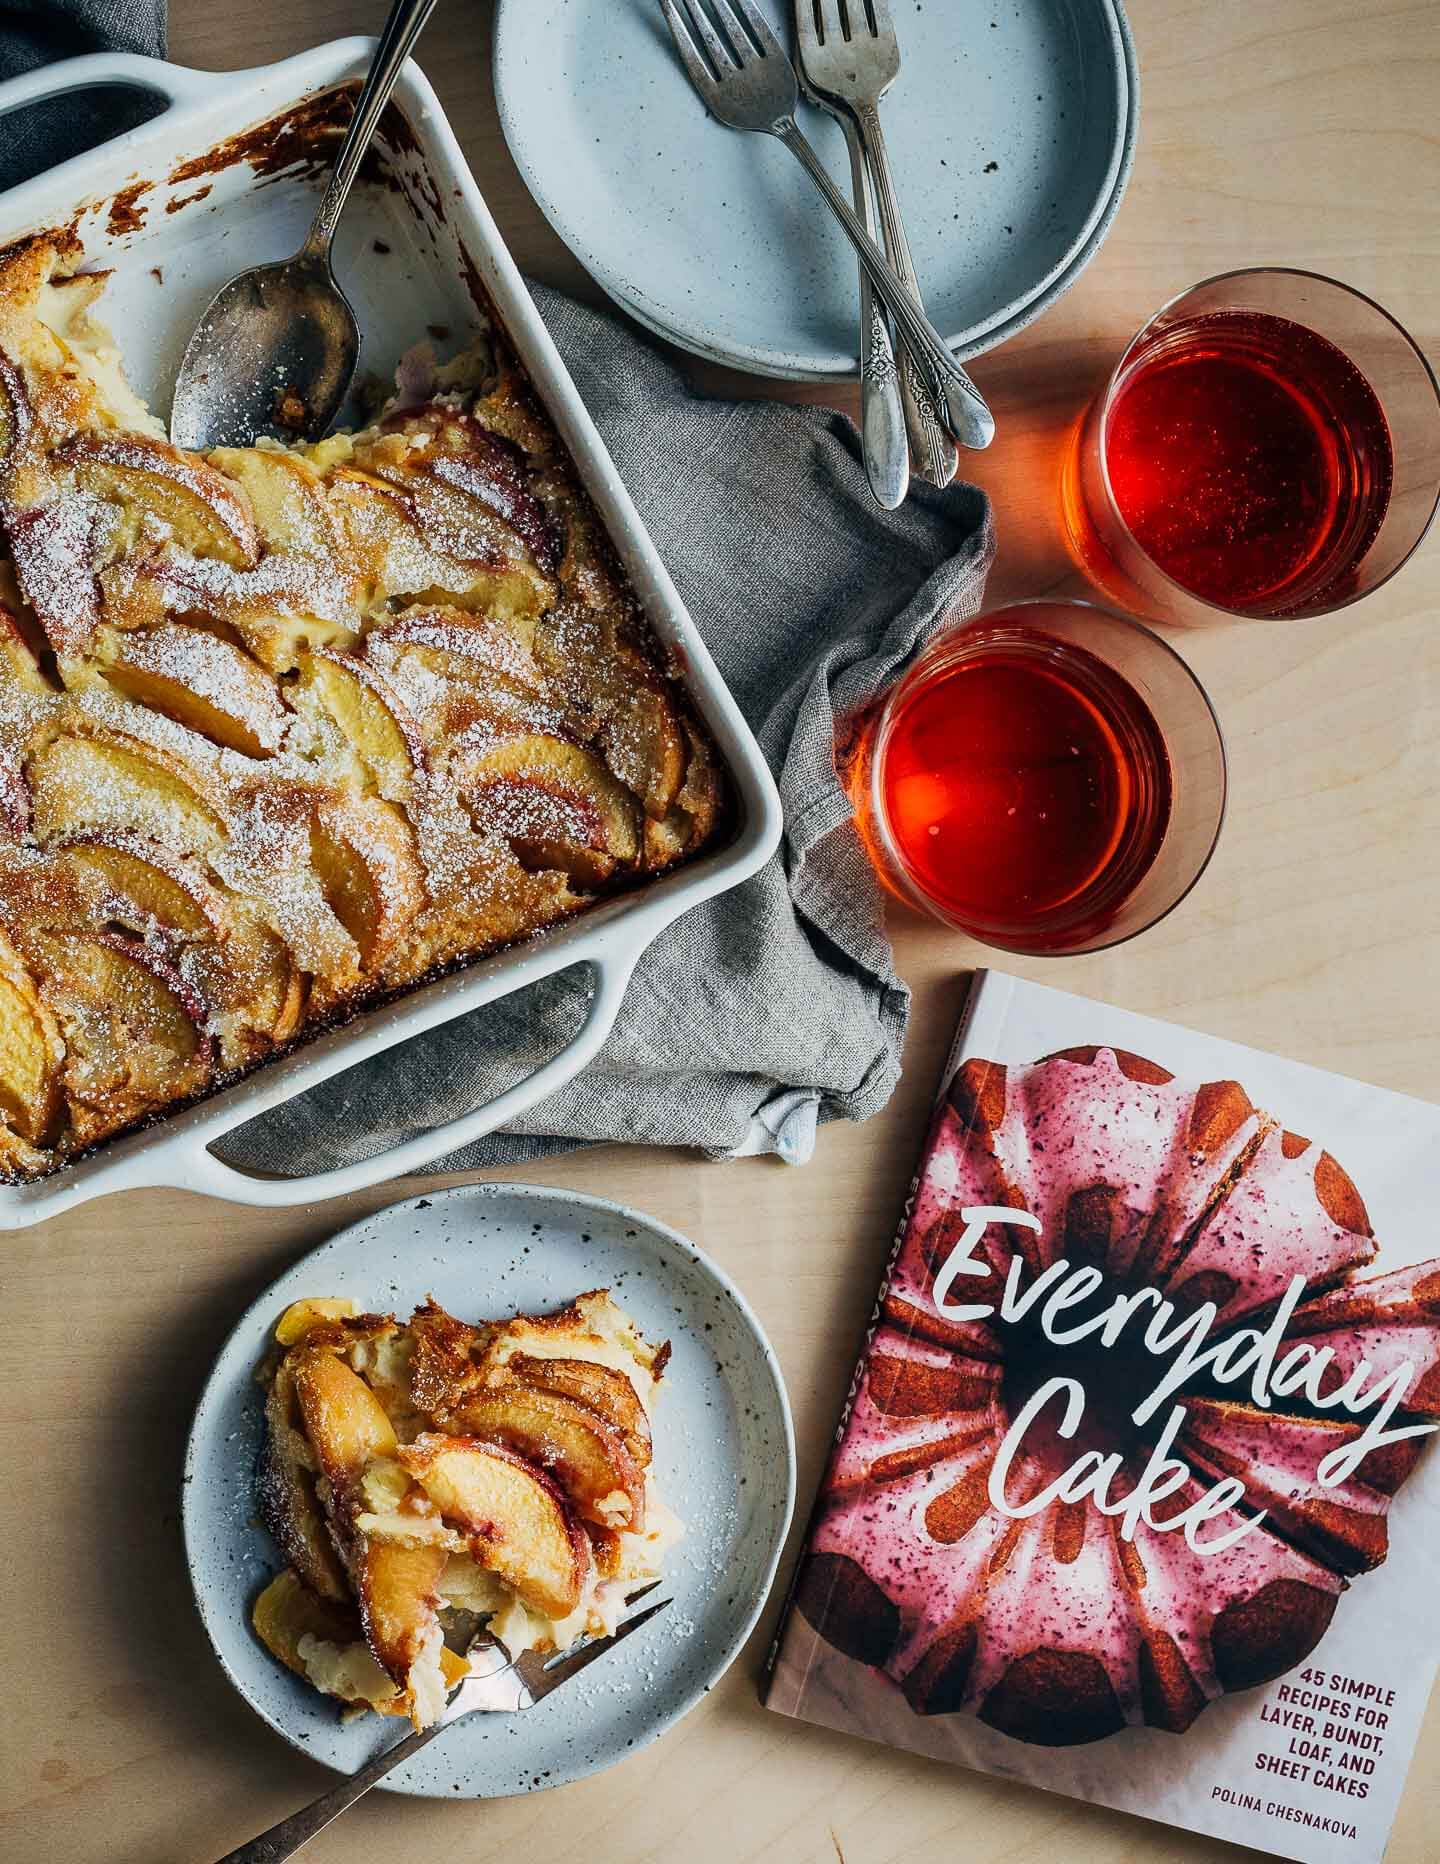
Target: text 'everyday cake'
{"type": "Point", "coordinates": [1047, 1618]}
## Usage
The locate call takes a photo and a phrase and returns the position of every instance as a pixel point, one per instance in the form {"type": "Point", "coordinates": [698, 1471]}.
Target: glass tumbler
{"type": "Point", "coordinates": [1049, 778]}
{"type": "Point", "coordinates": [1268, 445]}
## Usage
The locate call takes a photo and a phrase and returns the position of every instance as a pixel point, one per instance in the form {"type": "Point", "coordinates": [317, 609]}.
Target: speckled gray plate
{"type": "Point", "coordinates": [1011, 127]}
{"type": "Point", "coordinates": [724, 1459]}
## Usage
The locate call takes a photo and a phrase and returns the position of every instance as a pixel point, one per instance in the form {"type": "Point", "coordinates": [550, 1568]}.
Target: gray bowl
{"type": "Point", "coordinates": [724, 1460]}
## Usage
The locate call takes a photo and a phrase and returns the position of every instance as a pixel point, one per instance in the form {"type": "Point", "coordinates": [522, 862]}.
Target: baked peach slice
{"type": "Point", "coordinates": [554, 802]}
{"type": "Point", "coordinates": [14, 797]}
{"type": "Point", "coordinates": [203, 682]}
{"type": "Point", "coordinates": [591, 1327]}
{"type": "Point", "coordinates": [364, 858]}
{"type": "Point", "coordinates": [135, 1031]}
{"type": "Point", "coordinates": [479, 471]}
{"type": "Point", "coordinates": [365, 709]}
{"type": "Point", "coordinates": [517, 1520]}
{"type": "Point", "coordinates": [32, 1053]}
{"type": "Point", "coordinates": [641, 731]}
{"type": "Point", "coordinates": [323, 1642]}
{"type": "Point", "coordinates": [375, 521]}
{"type": "Point", "coordinates": [253, 990]}
{"type": "Point", "coordinates": [398, 1587]}
{"type": "Point", "coordinates": [455, 644]}
{"type": "Point", "coordinates": [603, 1389]}
{"type": "Point", "coordinates": [286, 497]}
{"type": "Point", "coordinates": [145, 994]}
{"type": "Point", "coordinates": [489, 472]}
{"type": "Point", "coordinates": [352, 481]}
{"type": "Point", "coordinates": [468, 517]}
{"type": "Point", "coordinates": [284, 605]}
{"type": "Point", "coordinates": [643, 740]}
{"type": "Point", "coordinates": [54, 539]}
{"type": "Point", "coordinates": [19, 667]}
{"type": "Point", "coordinates": [242, 971]}
{"type": "Point", "coordinates": [308, 1313]}
{"type": "Point", "coordinates": [586, 1454]}
{"type": "Point", "coordinates": [103, 779]}
{"type": "Point", "coordinates": [16, 415]}
{"type": "Point", "coordinates": [343, 1419]}
{"type": "Point", "coordinates": [289, 1504]}
{"type": "Point", "coordinates": [408, 553]}
{"type": "Point", "coordinates": [444, 1352]}
{"type": "Point", "coordinates": [208, 515]}
{"type": "Point", "coordinates": [19, 660]}
{"type": "Point", "coordinates": [291, 1608]}
{"type": "Point", "coordinates": [383, 471]}
{"type": "Point", "coordinates": [142, 884]}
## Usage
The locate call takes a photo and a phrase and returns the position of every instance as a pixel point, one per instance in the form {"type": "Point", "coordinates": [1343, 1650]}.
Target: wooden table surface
{"type": "Point", "coordinates": [1290, 131]}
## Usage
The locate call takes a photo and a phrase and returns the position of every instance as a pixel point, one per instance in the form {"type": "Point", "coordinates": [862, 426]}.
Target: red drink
{"type": "Point", "coordinates": [1250, 459]}
{"type": "Point", "coordinates": [1023, 786]}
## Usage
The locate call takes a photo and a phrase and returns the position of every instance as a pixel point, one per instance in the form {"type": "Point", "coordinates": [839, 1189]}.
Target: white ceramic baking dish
{"type": "Point", "coordinates": [412, 247]}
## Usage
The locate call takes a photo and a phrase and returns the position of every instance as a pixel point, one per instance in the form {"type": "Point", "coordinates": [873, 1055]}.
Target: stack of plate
{"type": "Point", "coordinates": [1011, 131]}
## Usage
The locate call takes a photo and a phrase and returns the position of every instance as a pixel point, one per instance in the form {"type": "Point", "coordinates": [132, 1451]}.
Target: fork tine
{"type": "Point", "coordinates": [721, 56]}
{"type": "Point", "coordinates": [736, 38]}
{"type": "Point", "coordinates": [701, 76]}
{"type": "Point", "coordinates": [826, 15]}
{"type": "Point", "coordinates": [754, 19]}
{"type": "Point", "coordinates": [562, 1672]}
{"type": "Point", "coordinates": [644, 1592]}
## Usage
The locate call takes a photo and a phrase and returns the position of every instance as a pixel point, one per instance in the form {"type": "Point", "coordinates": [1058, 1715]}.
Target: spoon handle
{"type": "Point", "coordinates": [404, 26]}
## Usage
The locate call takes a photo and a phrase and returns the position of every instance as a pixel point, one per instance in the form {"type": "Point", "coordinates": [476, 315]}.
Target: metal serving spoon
{"type": "Point", "coordinates": [275, 350]}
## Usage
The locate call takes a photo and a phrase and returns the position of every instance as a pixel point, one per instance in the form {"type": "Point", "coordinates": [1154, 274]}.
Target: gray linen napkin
{"type": "Point", "coordinates": [33, 32]}
{"type": "Point", "coordinates": [777, 1003]}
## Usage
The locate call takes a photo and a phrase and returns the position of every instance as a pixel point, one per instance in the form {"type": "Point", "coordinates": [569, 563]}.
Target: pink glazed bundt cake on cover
{"type": "Point", "coordinates": [1054, 1627]}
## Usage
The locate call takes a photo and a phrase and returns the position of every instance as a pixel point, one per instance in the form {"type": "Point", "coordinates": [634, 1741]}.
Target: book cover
{"type": "Point", "coordinates": [1137, 1492]}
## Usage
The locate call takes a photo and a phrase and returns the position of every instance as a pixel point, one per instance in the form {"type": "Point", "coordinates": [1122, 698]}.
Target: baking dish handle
{"type": "Point", "coordinates": [95, 70]}
{"type": "Point", "coordinates": [203, 1172]}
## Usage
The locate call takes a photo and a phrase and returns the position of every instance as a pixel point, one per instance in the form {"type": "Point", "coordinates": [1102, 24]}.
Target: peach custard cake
{"type": "Point", "coordinates": [425, 1478]}
{"type": "Point", "coordinates": [287, 729]}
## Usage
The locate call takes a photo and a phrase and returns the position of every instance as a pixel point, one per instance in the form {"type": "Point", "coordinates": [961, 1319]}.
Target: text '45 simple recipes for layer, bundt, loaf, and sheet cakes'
{"type": "Point", "coordinates": [1142, 1387]}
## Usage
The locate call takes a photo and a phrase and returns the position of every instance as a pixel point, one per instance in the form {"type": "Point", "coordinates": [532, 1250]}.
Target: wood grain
{"type": "Point", "coordinates": [1297, 131]}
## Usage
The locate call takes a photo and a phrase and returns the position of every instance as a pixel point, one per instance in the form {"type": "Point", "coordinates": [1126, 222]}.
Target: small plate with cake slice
{"type": "Point", "coordinates": [500, 1406]}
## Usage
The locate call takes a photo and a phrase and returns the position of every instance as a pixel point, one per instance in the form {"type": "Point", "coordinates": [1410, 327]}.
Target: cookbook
{"type": "Point", "coordinates": [1137, 1488]}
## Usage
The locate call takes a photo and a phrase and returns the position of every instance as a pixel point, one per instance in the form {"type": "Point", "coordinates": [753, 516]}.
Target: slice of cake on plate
{"type": "Point", "coordinates": [424, 1479]}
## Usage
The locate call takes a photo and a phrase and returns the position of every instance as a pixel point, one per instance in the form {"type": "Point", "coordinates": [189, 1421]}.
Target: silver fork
{"type": "Point", "coordinates": [747, 82]}
{"type": "Point", "coordinates": [850, 57]}
{"type": "Point", "coordinates": [496, 1685]}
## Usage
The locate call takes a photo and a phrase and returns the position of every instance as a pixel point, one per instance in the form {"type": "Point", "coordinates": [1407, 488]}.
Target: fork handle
{"type": "Point", "coordinates": [884, 445]}
{"type": "Point", "coordinates": [286, 1838]}
{"type": "Point", "coordinates": [934, 450]}
{"type": "Point", "coordinates": [966, 414]}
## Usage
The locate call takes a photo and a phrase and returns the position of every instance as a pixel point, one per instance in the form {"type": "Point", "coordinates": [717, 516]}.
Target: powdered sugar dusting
{"type": "Point", "coordinates": [462, 580]}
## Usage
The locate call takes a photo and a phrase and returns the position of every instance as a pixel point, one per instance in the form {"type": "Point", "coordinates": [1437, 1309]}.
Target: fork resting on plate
{"type": "Point", "coordinates": [849, 58]}
{"type": "Point", "coordinates": [495, 1685]}
{"type": "Point", "coordinates": [747, 81]}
